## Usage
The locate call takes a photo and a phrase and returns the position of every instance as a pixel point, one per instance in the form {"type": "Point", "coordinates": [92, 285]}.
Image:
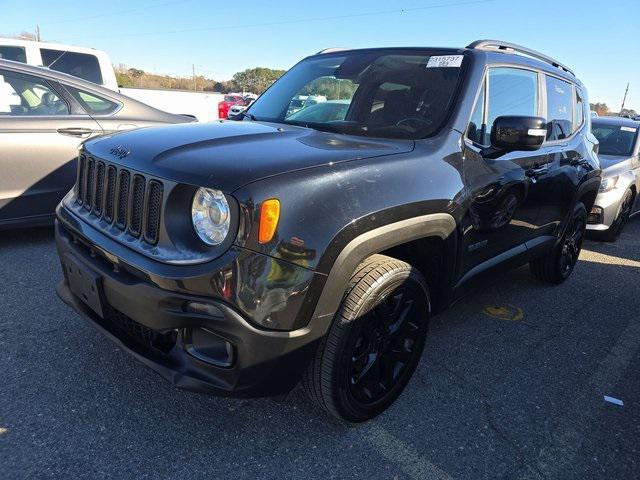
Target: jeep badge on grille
{"type": "Point", "coordinates": [119, 151]}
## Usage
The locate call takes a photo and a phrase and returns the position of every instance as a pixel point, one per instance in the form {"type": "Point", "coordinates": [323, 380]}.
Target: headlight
{"type": "Point", "coordinates": [608, 183]}
{"type": "Point", "coordinates": [210, 215]}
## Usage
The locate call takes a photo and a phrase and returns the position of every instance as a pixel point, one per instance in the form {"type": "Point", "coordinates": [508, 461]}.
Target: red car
{"type": "Point", "coordinates": [228, 102]}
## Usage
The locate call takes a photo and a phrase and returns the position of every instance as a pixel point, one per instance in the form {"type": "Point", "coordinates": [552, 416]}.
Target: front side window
{"type": "Point", "coordinates": [559, 109]}
{"type": "Point", "coordinates": [512, 91]}
{"type": "Point", "coordinates": [505, 91]}
{"type": "Point", "coordinates": [477, 130]}
{"type": "Point", "coordinates": [82, 65]}
{"type": "Point", "coordinates": [614, 139]}
{"type": "Point", "coordinates": [370, 93]}
{"type": "Point", "coordinates": [10, 52]}
{"type": "Point", "coordinates": [580, 108]}
{"type": "Point", "coordinates": [26, 95]}
{"type": "Point", "coordinates": [93, 104]}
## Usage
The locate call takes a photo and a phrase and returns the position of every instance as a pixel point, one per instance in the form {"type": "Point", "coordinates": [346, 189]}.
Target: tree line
{"type": "Point", "coordinates": [602, 110]}
{"type": "Point", "coordinates": [254, 80]}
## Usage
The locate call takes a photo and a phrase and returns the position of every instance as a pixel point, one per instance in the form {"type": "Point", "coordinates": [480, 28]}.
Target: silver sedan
{"type": "Point", "coordinates": [44, 116]}
{"type": "Point", "coordinates": [619, 154]}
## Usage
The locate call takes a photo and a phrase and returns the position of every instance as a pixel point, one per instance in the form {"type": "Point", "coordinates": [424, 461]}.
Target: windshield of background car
{"type": "Point", "coordinates": [385, 94]}
{"type": "Point", "coordinates": [614, 139]}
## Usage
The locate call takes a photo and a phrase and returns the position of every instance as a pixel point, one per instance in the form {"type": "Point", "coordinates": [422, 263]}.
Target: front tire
{"type": "Point", "coordinates": [557, 265]}
{"type": "Point", "coordinates": [614, 231]}
{"type": "Point", "coordinates": [374, 343]}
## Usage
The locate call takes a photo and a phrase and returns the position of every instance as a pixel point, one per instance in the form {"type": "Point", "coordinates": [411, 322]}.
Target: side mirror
{"type": "Point", "coordinates": [511, 133]}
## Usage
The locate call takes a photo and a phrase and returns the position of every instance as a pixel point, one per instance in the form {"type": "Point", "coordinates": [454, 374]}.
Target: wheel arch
{"type": "Point", "coordinates": [587, 192]}
{"type": "Point", "coordinates": [436, 230]}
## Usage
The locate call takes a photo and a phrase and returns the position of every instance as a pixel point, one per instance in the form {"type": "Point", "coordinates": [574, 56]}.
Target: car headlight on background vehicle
{"type": "Point", "coordinates": [608, 183]}
{"type": "Point", "coordinates": [210, 215]}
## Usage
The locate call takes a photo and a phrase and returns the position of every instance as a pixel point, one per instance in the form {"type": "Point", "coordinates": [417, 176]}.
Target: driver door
{"type": "Point", "coordinates": [504, 194]}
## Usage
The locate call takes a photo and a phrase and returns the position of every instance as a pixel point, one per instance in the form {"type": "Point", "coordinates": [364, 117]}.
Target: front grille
{"type": "Point", "coordinates": [117, 196]}
{"type": "Point", "coordinates": [97, 197]}
{"type": "Point", "coordinates": [137, 206]}
{"type": "Point", "coordinates": [126, 328]}
{"type": "Point", "coordinates": [89, 192]}
{"type": "Point", "coordinates": [594, 218]}
{"type": "Point", "coordinates": [111, 193]}
{"type": "Point", "coordinates": [153, 215]}
{"type": "Point", "coordinates": [123, 198]}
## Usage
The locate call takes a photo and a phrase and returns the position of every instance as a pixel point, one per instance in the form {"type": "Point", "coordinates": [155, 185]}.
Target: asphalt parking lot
{"type": "Point", "coordinates": [511, 386]}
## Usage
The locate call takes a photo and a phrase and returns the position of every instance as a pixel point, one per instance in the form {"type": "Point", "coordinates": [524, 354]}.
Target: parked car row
{"type": "Point", "coordinates": [44, 117]}
{"type": "Point", "coordinates": [95, 66]}
{"type": "Point", "coordinates": [619, 154]}
{"type": "Point", "coordinates": [234, 104]}
{"type": "Point", "coordinates": [375, 188]}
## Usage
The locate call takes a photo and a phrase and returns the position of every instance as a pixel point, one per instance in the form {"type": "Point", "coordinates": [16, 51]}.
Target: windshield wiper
{"type": "Point", "coordinates": [322, 127]}
{"type": "Point", "coordinates": [248, 115]}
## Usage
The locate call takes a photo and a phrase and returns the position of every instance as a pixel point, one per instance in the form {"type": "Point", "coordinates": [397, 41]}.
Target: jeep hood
{"type": "Point", "coordinates": [228, 155]}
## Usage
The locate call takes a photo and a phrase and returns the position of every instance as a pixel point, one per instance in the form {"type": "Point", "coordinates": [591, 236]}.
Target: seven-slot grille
{"type": "Point", "coordinates": [129, 201]}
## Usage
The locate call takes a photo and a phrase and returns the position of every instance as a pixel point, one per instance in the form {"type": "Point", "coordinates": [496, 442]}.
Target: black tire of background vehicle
{"type": "Point", "coordinates": [613, 232]}
{"type": "Point", "coordinates": [369, 301]}
{"type": "Point", "coordinates": [556, 266]}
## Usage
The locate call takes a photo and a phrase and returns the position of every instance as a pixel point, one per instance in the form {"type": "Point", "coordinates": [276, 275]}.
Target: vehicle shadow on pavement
{"type": "Point", "coordinates": [32, 236]}
{"type": "Point", "coordinates": [497, 395]}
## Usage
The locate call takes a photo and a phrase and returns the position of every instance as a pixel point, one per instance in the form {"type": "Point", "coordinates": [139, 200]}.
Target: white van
{"type": "Point", "coordinates": [95, 66]}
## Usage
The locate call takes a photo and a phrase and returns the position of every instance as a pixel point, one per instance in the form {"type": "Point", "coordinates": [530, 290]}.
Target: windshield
{"type": "Point", "coordinates": [614, 139]}
{"type": "Point", "coordinates": [382, 94]}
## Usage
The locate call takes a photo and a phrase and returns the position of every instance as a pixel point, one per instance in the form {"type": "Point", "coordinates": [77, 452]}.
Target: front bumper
{"type": "Point", "coordinates": [152, 324]}
{"type": "Point", "coordinates": [607, 206]}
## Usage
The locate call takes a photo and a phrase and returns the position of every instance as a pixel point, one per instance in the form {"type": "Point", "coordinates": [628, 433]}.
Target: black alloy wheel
{"type": "Point", "coordinates": [556, 265]}
{"type": "Point", "coordinates": [572, 245]}
{"type": "Point", "coordinates": [375, 341]}
{"type": "Point", "coordinates": [383, 347]}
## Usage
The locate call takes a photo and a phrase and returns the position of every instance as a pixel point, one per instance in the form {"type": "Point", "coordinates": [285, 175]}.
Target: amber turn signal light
{"type": "Point", "coordinates": [269, 215]}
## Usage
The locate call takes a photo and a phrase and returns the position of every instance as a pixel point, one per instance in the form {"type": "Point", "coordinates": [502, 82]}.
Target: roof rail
{"type": "Point", "coordinates": [331, 50]}
{"type": "Point", "coordinates": [512, 47]}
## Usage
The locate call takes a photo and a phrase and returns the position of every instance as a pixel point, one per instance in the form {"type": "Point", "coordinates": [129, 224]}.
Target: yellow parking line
{"type": "Point", "coordinates": [597, 257]}
{"type": "Point", "coordinates": [408, 459]}
{"type": "Point", "coordinates": [504, 312]}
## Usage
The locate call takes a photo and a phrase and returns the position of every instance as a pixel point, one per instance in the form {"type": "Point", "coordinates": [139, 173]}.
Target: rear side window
{"type": "Point", "coordinates": [82, 65]}
{"type": "Point", "coordinates": [559, 109]}
{"type": "Point", "coordinates": [93, 104]}
{"type": "Point", "coordinates": [26, 95]}
{"type": "Point", "coordinates": [16, 54]}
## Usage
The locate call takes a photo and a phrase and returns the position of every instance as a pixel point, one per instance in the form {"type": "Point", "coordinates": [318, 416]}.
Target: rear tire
{"type": "Point", "coordinates": [557, 265]}
{"type": "Point", "coordinates": [374, 343]}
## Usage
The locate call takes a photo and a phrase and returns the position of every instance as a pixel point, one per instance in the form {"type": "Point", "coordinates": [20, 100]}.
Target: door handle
{"type": "Point", "coordinates": [75, 132]}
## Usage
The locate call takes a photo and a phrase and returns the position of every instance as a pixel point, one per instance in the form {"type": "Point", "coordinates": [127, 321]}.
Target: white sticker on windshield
{"type": "Point", "coordinates": [628, 129]}
{"type": "Point", "coordinates": [440, 61]}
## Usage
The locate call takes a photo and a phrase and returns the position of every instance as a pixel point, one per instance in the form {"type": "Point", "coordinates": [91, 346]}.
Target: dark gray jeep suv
{"type": "Point", "coordinates": [243, 256]}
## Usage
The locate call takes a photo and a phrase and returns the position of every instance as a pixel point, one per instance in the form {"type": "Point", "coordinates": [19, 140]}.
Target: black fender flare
{"type": "Point", "coordinates": [589, 186]}
{"type": "Point", "coordinates": [369, 243]}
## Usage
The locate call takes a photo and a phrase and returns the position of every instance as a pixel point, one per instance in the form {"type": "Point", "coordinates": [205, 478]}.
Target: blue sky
{"type": "Point", "coordinates": [598, 39]}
